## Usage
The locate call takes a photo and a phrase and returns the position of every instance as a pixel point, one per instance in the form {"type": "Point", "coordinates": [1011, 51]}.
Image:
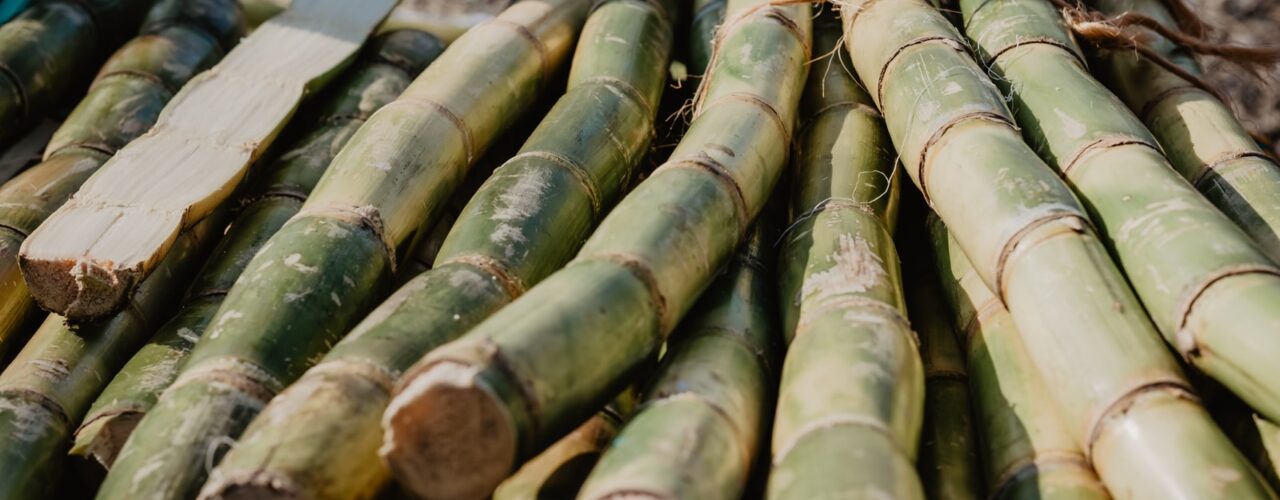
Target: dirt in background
{"type": "Point", "coordinates": [1247, 22]}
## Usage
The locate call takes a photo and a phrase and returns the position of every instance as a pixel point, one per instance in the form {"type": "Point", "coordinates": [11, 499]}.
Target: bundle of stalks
{"type": "Point", "coordinates": [1207, 286]}
{"type": "Point", "coordinates": [1203, 140]}
{"type": "Point", "coordinates": [1026, 449]}
{"type": "Point", "coordinates": [471, 411]}
{"type": "Point", "coordinates": [852, 390]}
{"type": "Point", "coordinates": [1121, 394]}
{"type": "Point", "coordinates": [385, 68]}
{"type": "Point", "coordinates": [47, 48]}
{"type": "Point", "coordinates": [524, 222]}
{"type": "Point", "coordinates": [701, 421]}
{"type": "Point", "coordinates": [331, 262]}
{"type": "Point", "coordinates": [178, 40]}
{"type": "Point", "coordinates": [84, 260]}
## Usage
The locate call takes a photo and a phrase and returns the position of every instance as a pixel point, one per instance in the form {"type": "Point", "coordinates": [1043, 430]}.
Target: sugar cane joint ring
{"type": "Point", "coordinates": [1175, 387]}
{"type": "Point", "coordinates": [948, 41]}
{"type": "Point", "coordinates": [768, 10]}
{"type": "Point", "coordinates": [703, 161]}
{"type": "Point", "coordinates": [463, 129]}
{"type": "Point", "coordinates": [1030, 40]}
{"type": "Point", "coordinates": [642, 272]}
{"type": "Point", "coordinates": [496, 269]}
{"type": "Point", "coordinates": [656, 5]}
{"type": "Point", "coordinates": [545, 62]}
{"type": "Point", "coordinates": [1185, 338]}
{"type": "Point", "coordinates": [575, 169]}
{"type": "Point", "coordinates": [1102, 144]}
{"type": "Point", "coordinates": [924, 161]}
{"type": "Point", "coordinates": [1072, 221]}
{"type": "Point", "coordinates": [1205, 175]}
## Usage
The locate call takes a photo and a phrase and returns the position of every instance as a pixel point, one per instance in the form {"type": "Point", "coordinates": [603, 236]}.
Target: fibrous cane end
{"type": "Point", "coordinates": [448, 436]}
{"type": "Point", "coordinates": [77, 289]}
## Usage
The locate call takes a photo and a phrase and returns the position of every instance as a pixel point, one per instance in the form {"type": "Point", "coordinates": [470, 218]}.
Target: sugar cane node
{"type": "Point", "coordinates": [507, 278]}
{"type": "Point", "coordinates": [1103, 144]}
{"type": "Point", "coordinates": [704, 162]}
{"type": "Point", "coordinates": [1177, 388]}
{"type": "Point", "coordinates": [464, 130]}
{"type": "Point", "coordinates": [1072, 221]}
{"type": "Point", "coordinates": [1206, 173]}
{"type": "Point", "coordinates": [539, 48]}
{"type": "Point", "coordinates": [574, 168]}
{"type": "Point", "coordinates": [1194, 294]}
{"type": "Point", "coordinates": [769, 10]}
{"type": "Point", "coordinates": [366, 217]}
{"type": "Point", "coordinates": [240, 375]}
{"type": "Point", "coordinates": [925, 161]}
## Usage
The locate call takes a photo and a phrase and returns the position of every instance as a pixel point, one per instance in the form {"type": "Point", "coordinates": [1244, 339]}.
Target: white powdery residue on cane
{"type": "Point", "coordinates": [857, 268]}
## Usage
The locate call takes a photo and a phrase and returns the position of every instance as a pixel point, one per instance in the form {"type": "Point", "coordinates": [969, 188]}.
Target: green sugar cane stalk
{"type": "Point", "coordinates": [1198, 132]}
{"type": "Point", "coordinates": [1208, 287]}
{"type": "Point", "coordinates": [49, 46]}
{"type": "Point", "coordinates": [523, 223]}
{"type": "Point", "coordinates": [701, 422]}
{"type": "Point", "coordinates": [49, 386]}
{"type": "Point", "coordinates": [382, 72]}
{"type": "Point", "coordinates": [179, 39]}
{"type": "Point", "coordinates": [332, 261]}
{"type": "Point", "coordinates": [473, 410]}
{"type": "Point", "coordinates": [1121, 394]}
{"type": "Point", "coordinates": [1027, 450]}
{"type": "Point", "coordinates": [852, 393]}
{"type": "Point", "coordinates": [949, 462]}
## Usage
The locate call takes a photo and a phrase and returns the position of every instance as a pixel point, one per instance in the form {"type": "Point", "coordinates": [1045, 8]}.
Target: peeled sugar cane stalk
{"type": "Point", "coordinates": [1209, 289]}
{"type": "Point", "coordinates": [86, 258]}
{"type": "Point", "coordinates": [949, 448]}
{"type": "Point", "coordinates": [446, 19]}
{"type": "Point", "coordinates": [1027, 451]}
{"type": "Point", "coordinates": [49, 386]}
{"type": "Point", "coordinates": [385, 68]}
{"type": "Point", "coordinates": [701, 422]}
{"type": "Point", "coordinates": [178, 40]}
{"type": "Point", "coordinates": [524, 222]}
{"type": "Point", "coordinates": [852, 393]}
{"type": "Point", "coordinates": [473, 410]}
{"type": "Point", "coordinates": [1119, 391]}
{"type": "Point", "coordinates": [49, 46]}
{"type": "Point", "coordinates": [330, 263]}
{"type": "Point", "coordinates": [561, 469]}
{"type": "Point", "coordinates": [1197, 131]}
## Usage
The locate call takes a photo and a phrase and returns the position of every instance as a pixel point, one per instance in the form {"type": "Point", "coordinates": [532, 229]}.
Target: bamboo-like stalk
{"type": "Point", "coordinates": [474, 409]}
{"type": "Point", "coordinates": [1027, 451]}
{"type": "Point", "coordinates": [524, 222]}
{"type": "Point", "coordinates": [85, 259]}
{"type": "Point", "coordinates": [333, 260]}
{"type": "Point", "coordinates": [561, 470]}
{"type": "Point", "coordinates": [701, 422]}
{"type": "Point", "coordinates": [178, 40]}
{"type": "Point", "coordinates": [1121, 394]}
{"type": "Point", "coordinates": [1210, 290]}
{"type": "Point", "coordinates": [47, 48]}
{"type": "Point", "coordinates": [1198, 132]}
{"type": "Point", "coordinates": [949, 462]}
{"type": "Point", "coordinates": [385, 68]}
{"type": "Point", "coordinates": [707, 16]}
{"type": "Point", "coordinates": [55, 377]}
{"type": "Point", "coordinates": [852, 390]}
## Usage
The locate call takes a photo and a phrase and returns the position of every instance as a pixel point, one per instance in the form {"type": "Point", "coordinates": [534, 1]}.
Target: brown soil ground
{"type": "Point", "coordinates": [1254, 23]}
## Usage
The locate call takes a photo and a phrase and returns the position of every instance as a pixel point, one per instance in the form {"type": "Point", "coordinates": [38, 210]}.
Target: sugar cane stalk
{"type": "Point", "coordinates": [48, 47]}
{"type": "Point", "coordinates": [852, 391]}
{"type": "Point", "coordinates": [1198, 132]}
{"type": "Point", "coordinates": [1121, 394]}
{"type": "Point", "coordinates": [330, 263]}
{"type": "Point", "coordinates": [178, 40]}
{"type": "Point", "coordinates": [949, 462]}
{"type": "Point", "coordinates": [697, 430]}
{"type": "Point", "coordinates": [474, 409]}
{"type": "Point", "coordinates": [383, 71]}
{"type": "Point", "coordinates": [53, 380]}
{"type": "Point", "coordinates": [1210, 290]}
{"type": "Point", "coordinates": [85, 259]}
{"type": "Point", "coordinates": [1027, 452]}
{"type": "Point", "coordinates": [523, 223]}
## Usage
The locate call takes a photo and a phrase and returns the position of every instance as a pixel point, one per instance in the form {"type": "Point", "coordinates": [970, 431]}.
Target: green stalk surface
{"type": "Point", "coordinates": [471, 411]}
{"type": "Point", "coordinates": [1120, 393]}
{"type": "Point", "coordinates": [852, 392]}
{"type": "Point", "coordinates": [332, 262]}
{"type": "Point", "coordinates": [382, 72]}
{"type": "Point", "coordinates": [523, 223]}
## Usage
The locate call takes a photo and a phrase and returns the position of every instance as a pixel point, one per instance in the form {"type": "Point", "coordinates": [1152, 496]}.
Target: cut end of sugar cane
{"type": "Point", "coordinates": [123, 220]}
{"type": "Point", "coordinates": [448, 436]}
{"type": "Point", "coordinates": [63, 280]}
{"type": "Point", "coordinates": [101, 439]}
